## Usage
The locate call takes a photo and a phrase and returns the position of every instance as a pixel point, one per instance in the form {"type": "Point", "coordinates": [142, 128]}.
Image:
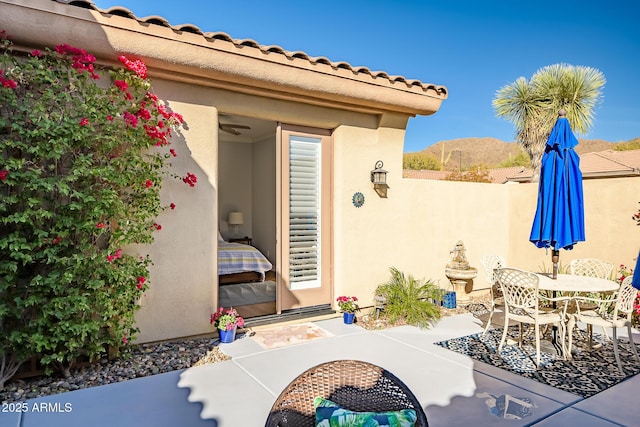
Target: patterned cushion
{"type": "Point", "coordinates": [329, 414]}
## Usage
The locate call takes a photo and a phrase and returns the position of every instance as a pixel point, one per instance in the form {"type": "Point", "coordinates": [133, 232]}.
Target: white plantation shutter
{"type": "Point", "coordinates": [304, 212]}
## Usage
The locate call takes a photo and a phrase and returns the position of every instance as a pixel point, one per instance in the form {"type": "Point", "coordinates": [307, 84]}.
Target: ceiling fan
{"type": "Point", "coordinates": [231, 128]}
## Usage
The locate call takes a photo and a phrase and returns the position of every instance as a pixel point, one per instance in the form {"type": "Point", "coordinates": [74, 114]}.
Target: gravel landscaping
{"type": "Point", "coordinates": [143, 360]}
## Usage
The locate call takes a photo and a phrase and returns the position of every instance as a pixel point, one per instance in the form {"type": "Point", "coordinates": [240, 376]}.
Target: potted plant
{"type": "Point", "coordinates": [227, 322]}
{"type": "Point", "coordinates": [348, 306]}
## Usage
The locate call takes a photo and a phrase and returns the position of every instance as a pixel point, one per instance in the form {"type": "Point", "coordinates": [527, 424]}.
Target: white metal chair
{"type": "Point", "coordinates": [489, 264]}
{"type": "Point", "coordinates": [522, 303]}
{"type": "Point", "coordinates": [607, 316]}
{"type": "Point", "coordinates": [591, 267]}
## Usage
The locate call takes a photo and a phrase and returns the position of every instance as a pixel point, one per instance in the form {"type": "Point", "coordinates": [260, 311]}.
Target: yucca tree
{"type": "Point", "coordinates": [532, 106]}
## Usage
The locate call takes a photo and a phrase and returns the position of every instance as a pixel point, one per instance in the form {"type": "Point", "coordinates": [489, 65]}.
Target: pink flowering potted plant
{"type": "Point", "coordinates": [348, 306]}
{"type": "Point", "coordinates": [226, 322]}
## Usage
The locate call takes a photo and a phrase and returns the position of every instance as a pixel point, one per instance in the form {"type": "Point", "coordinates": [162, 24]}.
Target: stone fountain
{"type": "Point", "coordinates": [459, 272]}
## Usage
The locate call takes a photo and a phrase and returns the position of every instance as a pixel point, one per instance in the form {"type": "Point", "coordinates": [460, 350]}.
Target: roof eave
{"type": "Point", "coordinates": [216, 61]}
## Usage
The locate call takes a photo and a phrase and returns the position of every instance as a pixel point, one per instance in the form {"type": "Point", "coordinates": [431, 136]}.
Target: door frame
{"type": "Point", "coordinates": [286, 298]}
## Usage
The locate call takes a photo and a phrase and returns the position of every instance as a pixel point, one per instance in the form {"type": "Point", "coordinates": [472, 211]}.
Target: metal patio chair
{"type": "Point", "coordinates": [352, 384]}
{"type": "Point", "coordinates": [591, 267]}
{"type": "Point", "coordinates": [523, 303]}
{"type": "Point", "coordinates": [490, 263]}
{"type": "Point", "coordinates": [606, 317]}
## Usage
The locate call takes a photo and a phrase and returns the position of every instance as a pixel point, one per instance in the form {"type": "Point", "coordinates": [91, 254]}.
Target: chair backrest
{"type": "Point", "coordinates": [591, 267]}
{"type": "Point", "coordinates": [489, 264]}
{"type": "Point", "coordinates": [520, 288]}
{"type": "Point", "coordinates": [354, 385]}
{"type": "Point", "coordinates": [626, 298]}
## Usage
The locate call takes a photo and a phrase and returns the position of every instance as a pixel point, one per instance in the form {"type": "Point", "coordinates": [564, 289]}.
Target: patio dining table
{"type": "Point", "coordinates": [574, 284]}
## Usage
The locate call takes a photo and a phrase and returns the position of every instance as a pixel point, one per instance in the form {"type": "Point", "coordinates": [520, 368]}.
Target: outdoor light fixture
{"type": "Point", "coordinates": [235, 220]}
{"type": "Point", "coordinates": [379, 179]}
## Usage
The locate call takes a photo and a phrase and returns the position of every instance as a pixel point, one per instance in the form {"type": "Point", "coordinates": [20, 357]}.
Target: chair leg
{"type": "Point", "coordinates": [504, 332]}
{"type": "Point", "coordinates": [570, 326]}
{"type": "Point", "coordinates": [631, 343]}
{"type": "Point", "coordinates": [486, 328]}
{"type": "Point", "coordinates": [537, 332]}
{"type": "Point", "coordinates": [615, 349]}
{"type": "Point", "coordinates": [563, 337]}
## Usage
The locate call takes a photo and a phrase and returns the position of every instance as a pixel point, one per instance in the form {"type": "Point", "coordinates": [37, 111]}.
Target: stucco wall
{"type": "Point", "coordinates": [236, 180]}
{"type": "Point", "coordinates": [417, 225]}
{"type": "Point", "coordinates": [412, 229]}
{"type": "Point", "coordinates": [610, 232]}
{"type": "Point", "coordinates": [182, 285]}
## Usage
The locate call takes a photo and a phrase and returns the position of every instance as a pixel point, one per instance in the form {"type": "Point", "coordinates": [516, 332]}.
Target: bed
{"type": "Point", "coordinates": [241, 279]}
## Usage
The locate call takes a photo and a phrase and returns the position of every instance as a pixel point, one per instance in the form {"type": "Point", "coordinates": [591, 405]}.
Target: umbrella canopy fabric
{"type": "Point", "coordinates": [559, 219]}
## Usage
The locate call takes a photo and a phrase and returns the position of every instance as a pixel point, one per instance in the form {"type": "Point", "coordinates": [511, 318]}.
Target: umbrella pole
{"type": "Point", "coordinates": [555, 257]}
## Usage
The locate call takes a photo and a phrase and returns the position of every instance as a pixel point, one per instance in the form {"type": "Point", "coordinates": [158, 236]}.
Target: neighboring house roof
{"type": "Point", "coordinates": [424, 174]}
{"type": "Point", "coordinates": [497, 176]}
{"type": "Point", "coordinates": [186, 53]}
{"type": "Point", "coordinates": [602, 164]}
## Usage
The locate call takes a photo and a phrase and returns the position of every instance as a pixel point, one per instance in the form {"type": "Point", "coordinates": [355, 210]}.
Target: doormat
{"type": "Point", "coordinates": [282, 336]}
{"type": "Point", "coordinates": [587, 373]}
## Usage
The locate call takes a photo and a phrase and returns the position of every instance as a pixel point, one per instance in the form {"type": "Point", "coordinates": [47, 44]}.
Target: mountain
{"type": "Point", "coordinates": [465, 152]}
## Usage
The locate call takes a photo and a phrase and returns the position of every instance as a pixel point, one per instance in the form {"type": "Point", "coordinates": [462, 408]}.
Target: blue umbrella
{"type": "Point", "coordinates": [559, 219]}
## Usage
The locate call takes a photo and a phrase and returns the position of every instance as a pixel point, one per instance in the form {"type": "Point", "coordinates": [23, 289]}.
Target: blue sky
{"type": "Point", "coordinates": [472, 47]}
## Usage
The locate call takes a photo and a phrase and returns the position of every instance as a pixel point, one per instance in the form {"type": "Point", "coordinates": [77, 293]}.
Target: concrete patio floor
{"type": "Point", "coordinates": [453, 389]}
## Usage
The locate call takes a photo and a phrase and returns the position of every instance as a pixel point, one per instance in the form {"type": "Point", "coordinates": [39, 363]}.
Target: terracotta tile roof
{"type": "Point", "coordinates": [424, 174]}
{"type": "Point", "coordinates": [497, 176]}
{"type": "Point", "coordinates": [121, 11]}
{"type": "Point", "coordinates": [601, 164]}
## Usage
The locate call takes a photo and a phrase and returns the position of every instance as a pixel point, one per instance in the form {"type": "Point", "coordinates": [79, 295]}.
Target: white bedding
{"type": "Point", "coordinates": [239, 258]}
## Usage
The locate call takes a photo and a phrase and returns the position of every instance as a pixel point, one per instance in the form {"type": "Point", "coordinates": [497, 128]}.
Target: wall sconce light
{"type": "Point", "coordinates": [379, 179]}
{"type": "Point", "coordinates": [235, 220]}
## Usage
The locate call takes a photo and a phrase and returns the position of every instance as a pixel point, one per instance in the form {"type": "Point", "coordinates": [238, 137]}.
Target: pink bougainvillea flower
{"type": "Point", "coordinates": [144, 114]}
{"type": "Point", "coordinates": [109, 117]}
{"type": "Point", "coordinates": [172, 206]}
{"type": "Point", "coordinates": [84, 121]}
{"type": "Point", "coordinates": [3, 174]}
{"type": "Point", "coordinates": [8, 83]}
{"type": "Point", "coordinates": [36, 53]}
{"type": "Point", "coordinates": [121, 84]}
{"type": "Point", "coordinates": [56, 240]}
{"type": "Point", "coordinates": [131, 119]}
{"type": "Point", "coordinates": [190, 179]}
{"type": "Point", "coordinates": [136, 66]}
{"type": "Point", "coordinates": [101, 225]}
{"type": "Point", "coordinates": [148, 183]}
{"type": "Point", "coordinates": [80, 59]}
{"type": "Point", "coordinates": [157, 226]}
{"type": "Point", "coordinates": [117, 254]}
{"type": "Point", "coordinates": [125, 339]}
{"type": "Point", "coordinates": [173, 152]}
{"type": "Point", "coordinates": [141, 281]}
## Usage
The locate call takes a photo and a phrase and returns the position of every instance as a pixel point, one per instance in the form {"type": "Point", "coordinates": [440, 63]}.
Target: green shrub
{"type": "Point", "coordinates": [81, 166]}
{"type": "Point", "coordinates": [409, 299]}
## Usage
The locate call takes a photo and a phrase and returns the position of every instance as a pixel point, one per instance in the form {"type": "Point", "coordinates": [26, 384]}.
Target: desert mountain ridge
{"type": "Point", "coordinates": [489, 151]}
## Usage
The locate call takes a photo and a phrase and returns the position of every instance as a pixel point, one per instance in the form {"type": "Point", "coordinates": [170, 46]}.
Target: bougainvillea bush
{"type": "Point", "coordinates": [83, 152]}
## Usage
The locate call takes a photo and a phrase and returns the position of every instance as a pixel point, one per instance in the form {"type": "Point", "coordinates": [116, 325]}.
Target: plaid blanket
{"type": "Point", "coordinates": [238, 258]}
